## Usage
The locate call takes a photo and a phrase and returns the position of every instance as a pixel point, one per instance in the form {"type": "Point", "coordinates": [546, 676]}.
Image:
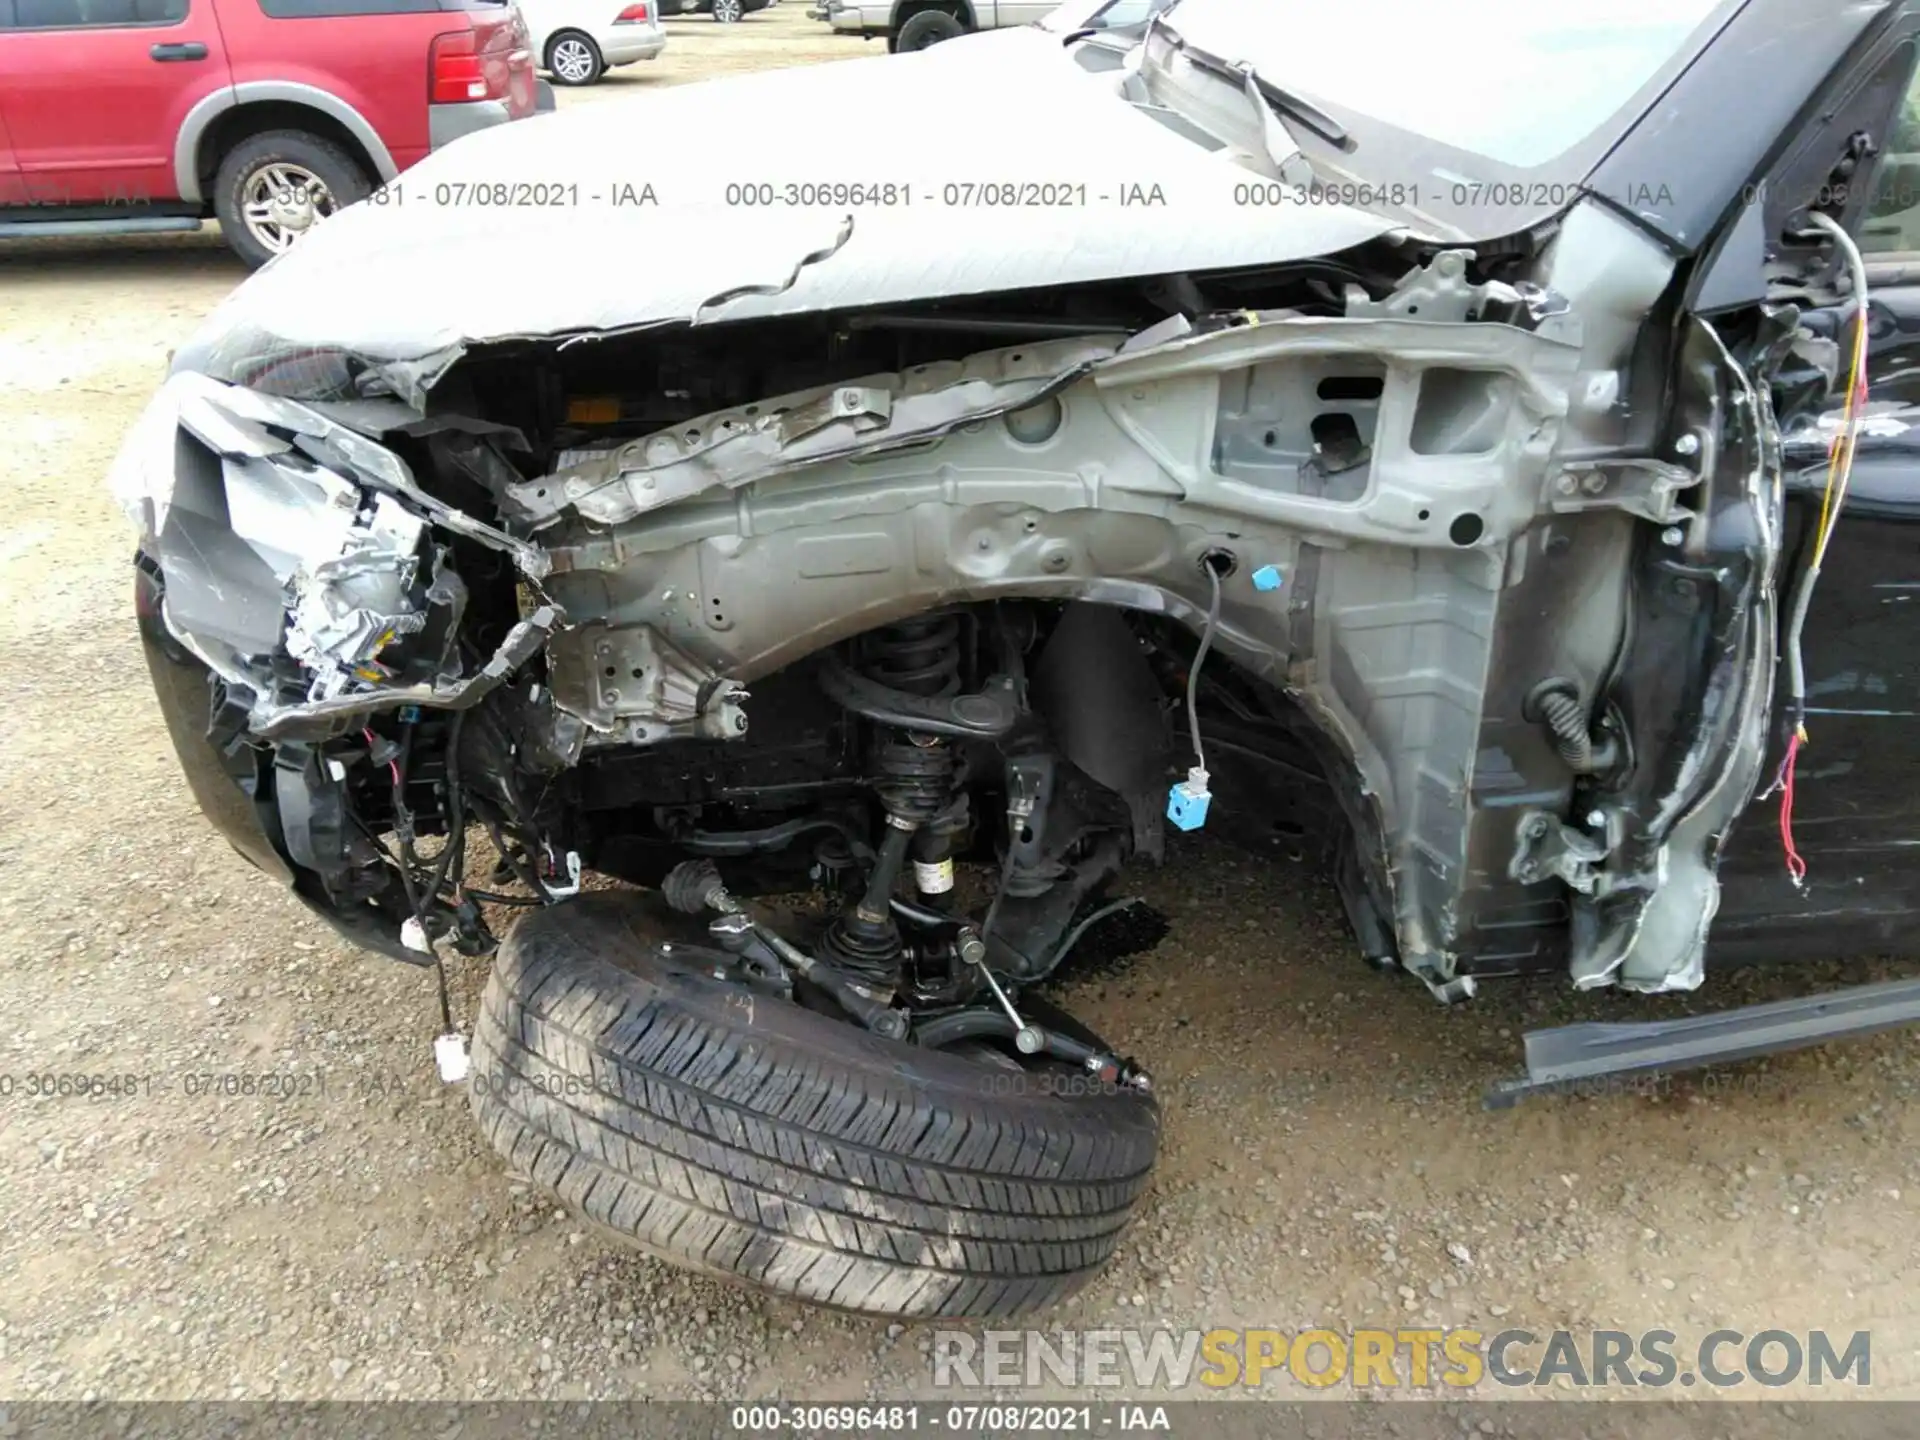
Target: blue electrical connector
{"type": "Point", "coordinates": [1267, 577]}
{"type": "Point", "coordinates": [1187, 802]}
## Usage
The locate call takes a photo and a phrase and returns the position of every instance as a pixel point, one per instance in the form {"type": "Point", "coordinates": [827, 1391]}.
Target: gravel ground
{"type": "Point", "coordinates": [1325, 1157]}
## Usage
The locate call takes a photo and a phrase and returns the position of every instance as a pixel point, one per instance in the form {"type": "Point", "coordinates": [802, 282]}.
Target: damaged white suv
{"type": "Point", "coordinates": [1424, 450]}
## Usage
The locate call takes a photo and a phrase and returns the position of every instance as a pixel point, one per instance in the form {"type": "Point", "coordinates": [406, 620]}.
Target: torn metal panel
{"type": "Point", "coordinates": [294, 515]}
{"type": "Point", "coordinates": [778, 287]}
{"type": "Point", "coordinates": [373, 464]}
{"type": "Point", "coordinates": [1484, 516]}
{"type": "Point", "coordinates": [349, 607]}
{"type": "Point", "coordinates": [1144, 449]}
{"type": "Point", "coordinates": [1702, 675]}
{"type": "Point", "coordinates": [296, 546]}
{"type": "Point", "coordinates": [1442, 290]}
{"type": "Point", "coordinates": [525, 640]}
{"type": "Point", "coordinates": [237, 421]}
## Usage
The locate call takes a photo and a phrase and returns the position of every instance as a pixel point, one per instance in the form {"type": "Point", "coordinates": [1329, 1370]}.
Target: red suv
{"type": "Point", "coordinates": [131, 115]}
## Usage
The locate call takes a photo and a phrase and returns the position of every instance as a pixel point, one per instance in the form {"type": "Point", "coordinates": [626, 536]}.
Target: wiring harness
{"type": "Point", "coordinates": [1833, 499]}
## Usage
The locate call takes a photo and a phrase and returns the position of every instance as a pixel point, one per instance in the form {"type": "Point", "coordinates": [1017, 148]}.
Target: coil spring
{"type": "Point", "coordinates": [920, 656]}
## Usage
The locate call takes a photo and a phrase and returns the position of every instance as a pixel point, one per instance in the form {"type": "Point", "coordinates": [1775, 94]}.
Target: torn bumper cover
{"type": "Point", "coordinates": [293, 582]}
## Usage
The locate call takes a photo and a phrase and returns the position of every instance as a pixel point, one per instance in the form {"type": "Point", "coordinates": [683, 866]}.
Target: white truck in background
{"type": "Point", "coordinates": [916, 24]}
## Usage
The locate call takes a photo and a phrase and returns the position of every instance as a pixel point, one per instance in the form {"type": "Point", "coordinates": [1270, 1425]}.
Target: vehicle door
{"type": "Point", "coordinates": [1855, 813]}
{"type": "Point", "coordinates": [94, 92]}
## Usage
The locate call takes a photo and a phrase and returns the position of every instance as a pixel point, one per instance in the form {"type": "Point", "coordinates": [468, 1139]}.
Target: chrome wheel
{"type": "Point", "coordinates": [280, 202]}
{"type": "Point", "coordinates": [572, 60]}
{"type": "Point", "coordinates": [727, 11]}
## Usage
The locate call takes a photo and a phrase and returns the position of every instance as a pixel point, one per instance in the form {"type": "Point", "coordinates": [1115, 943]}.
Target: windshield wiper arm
{"type": "Point", "coordinates": [1287, 103]}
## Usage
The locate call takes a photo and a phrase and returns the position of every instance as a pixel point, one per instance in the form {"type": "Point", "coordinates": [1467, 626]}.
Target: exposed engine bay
{"type": "Point", "coordinates": [832, 601]}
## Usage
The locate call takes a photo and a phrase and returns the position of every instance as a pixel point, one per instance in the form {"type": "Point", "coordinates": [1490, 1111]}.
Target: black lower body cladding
{"type": "Point", "coordinates": [748, 1136]}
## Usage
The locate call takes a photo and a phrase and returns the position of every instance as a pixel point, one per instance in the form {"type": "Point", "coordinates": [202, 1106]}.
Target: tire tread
{"type": "Point", "coordinates": [749, 1152]}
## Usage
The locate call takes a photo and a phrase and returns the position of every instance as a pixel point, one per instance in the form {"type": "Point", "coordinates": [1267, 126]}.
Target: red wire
{"type": "Point", "coordinates": [1840, 455]}
{"type": "Point", "coordinates": [393, 766]}
{"type": "Point", "coordinates": [1796, 867]}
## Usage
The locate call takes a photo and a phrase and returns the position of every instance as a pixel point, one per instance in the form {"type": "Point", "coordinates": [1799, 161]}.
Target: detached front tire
{"type": "Point", "coordinates": [274, 187]}
{"type": "Point", "coordinates": [741, 1134]}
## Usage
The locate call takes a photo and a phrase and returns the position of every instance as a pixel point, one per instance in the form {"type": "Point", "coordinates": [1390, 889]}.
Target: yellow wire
{"type": "Point", "coordinates": [1840, 453]}
{"type": "Point", "coordinates": [1839, 456]}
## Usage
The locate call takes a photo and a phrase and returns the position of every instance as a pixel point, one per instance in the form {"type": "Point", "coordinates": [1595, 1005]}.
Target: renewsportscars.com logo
{"type": "Point", "coordinates": [1397, 1358]}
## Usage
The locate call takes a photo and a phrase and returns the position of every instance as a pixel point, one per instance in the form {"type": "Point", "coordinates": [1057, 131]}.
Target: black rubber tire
{"type": "Point", "coordinates": [929, 27]}
{"type": "Point", "coordinates": [338, 170]}
{"type": "Point", "coordinates": [593, 50]}
{"type": "Point", "coordinates": [749, 1137]}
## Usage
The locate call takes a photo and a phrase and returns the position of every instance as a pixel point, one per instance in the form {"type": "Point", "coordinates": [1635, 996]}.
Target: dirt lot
{"type": "Point", "coordinates": [1325, 1160]}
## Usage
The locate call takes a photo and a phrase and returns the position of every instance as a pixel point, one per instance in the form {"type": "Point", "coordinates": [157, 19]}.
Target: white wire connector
{"type": "Point", "coordinates": [1187, 802]}
{"type": "Point", "coordinates": [561, 889]}
{"type": "Point", "coordinates": [450, 1055]}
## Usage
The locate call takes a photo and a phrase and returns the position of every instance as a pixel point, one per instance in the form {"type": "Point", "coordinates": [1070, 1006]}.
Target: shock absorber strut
{"type": "Point", "coordinates": [906, 673]}
{"type": "Point", "coordinates": [916, 770]}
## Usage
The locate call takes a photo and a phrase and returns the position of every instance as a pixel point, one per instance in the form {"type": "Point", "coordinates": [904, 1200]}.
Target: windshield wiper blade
{"type": "Point", "coordinates": [1297, 107]}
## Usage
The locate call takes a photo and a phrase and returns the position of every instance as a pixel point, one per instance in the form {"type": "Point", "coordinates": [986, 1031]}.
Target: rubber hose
{"type": "Point", "coordinates": [1568, 721]}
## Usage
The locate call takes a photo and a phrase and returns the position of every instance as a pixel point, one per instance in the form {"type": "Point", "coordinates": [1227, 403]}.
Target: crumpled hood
{"type": "Point", "coordinates": [620, 214]}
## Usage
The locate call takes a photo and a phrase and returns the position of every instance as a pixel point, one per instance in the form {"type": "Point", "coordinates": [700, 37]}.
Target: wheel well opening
{"type": "Point", "coordinates": [1106, 683]}
{"type": "Point", "coordinates": [257, 117]}
{"type": "Point", "coordinates": [1281, 782]}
